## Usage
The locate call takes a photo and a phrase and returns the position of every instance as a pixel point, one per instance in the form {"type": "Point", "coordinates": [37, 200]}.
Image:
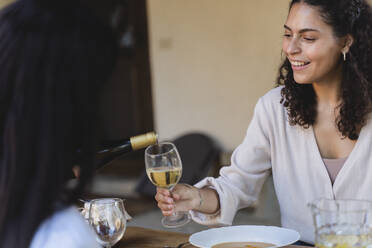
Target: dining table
{"type": "Point", "coordinates": [140, 237]}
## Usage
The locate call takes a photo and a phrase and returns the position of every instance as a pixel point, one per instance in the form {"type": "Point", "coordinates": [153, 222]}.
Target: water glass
{"type": "Point", "coordinates": [107, 217]}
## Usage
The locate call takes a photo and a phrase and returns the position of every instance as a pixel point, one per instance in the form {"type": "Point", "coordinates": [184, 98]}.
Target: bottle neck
{"type": "Point", "coordinates": [143, 140]}
{"type": "Point", "coordinates": [110, 150]}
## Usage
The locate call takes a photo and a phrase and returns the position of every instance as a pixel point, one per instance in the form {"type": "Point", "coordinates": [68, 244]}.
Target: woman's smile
{"type": "Point", "coordinates": [298, 65]}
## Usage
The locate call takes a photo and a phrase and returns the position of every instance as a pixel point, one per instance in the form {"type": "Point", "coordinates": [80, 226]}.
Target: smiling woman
{"type": "Point", "coordinates": [311, 47]}
{"type": "Point", "coordinates": [313, 131]}
{"type": "Point", "coordinates": [330, 47]}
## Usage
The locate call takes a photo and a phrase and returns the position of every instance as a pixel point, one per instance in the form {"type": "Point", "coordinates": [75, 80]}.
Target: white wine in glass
{"type": "Point", "coordinates": [164, 169]}
{"type": "Point", "coordinates": [164, 177]}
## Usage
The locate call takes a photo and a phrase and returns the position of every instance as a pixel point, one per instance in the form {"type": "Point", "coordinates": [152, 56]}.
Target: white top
{"type": "Point", "coordinates": [299, 174]}
{"type": "Point", "coordinates": [66, 228]}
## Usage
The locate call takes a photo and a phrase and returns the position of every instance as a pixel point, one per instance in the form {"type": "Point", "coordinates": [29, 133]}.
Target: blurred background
{"type": "Point", "coordinates": [186, 66]}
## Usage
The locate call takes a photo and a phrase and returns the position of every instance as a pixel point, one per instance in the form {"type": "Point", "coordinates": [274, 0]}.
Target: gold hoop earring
{"type": "Point", "coordinates": [344, 53]}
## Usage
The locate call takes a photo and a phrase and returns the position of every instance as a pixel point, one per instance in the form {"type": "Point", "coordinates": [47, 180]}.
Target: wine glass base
{"type": "Point", "coordinates": [175, 221]}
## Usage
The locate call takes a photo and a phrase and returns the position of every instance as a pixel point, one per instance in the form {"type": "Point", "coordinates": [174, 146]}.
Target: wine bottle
{"type": "Point", "coordinates": [110, 150]}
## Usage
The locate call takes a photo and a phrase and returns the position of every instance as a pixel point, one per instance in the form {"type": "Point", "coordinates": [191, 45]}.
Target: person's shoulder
{"type": "Point", "coordinates": [271, 101]}
{"type": "Point", "coordinates": [273, 95]}
{"type": "Point", "coordinates": [65, 228]}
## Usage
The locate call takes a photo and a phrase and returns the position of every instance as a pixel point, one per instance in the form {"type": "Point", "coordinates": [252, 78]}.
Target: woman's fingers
{"type": "Point", "coordinates": [165, 203]}
{"type": "Point", "coordinates": [166, 207]}
{"type": "Point", "coordinates": [163, 191]}
{"type": "Point", "coordinates": [163, 198]}
{"type": "Point", "coordinates": [180, 199]}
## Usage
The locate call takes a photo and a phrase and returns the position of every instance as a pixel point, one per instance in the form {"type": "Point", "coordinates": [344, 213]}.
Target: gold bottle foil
{"type": "Point", "coordinates": [143, 140]}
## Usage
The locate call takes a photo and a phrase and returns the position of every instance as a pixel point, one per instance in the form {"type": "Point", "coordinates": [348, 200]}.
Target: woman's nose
{"type": "Point", "coordinates": [293, 47]}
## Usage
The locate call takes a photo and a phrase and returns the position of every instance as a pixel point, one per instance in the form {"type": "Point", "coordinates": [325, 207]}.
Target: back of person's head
{"type": "Point", "coordinates": [55, 56]}
{"type": "Point", "coordinates": [345, 17]}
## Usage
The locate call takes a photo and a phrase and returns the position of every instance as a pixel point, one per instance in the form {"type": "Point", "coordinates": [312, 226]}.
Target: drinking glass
{"type": "Point", "coordinates": [164, 169]}
{"type": "Point", "coordinates": [342, 223]}
{"type": "Point", "coordinates": [107, 217]}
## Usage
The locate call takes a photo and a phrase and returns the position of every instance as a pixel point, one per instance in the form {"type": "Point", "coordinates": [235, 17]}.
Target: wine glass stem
{"type": "Point", "coordinates": [174, 214]}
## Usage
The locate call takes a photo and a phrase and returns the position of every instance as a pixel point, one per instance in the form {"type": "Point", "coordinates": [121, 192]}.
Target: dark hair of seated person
{"type": "Point", "coordinates": [55, 57]}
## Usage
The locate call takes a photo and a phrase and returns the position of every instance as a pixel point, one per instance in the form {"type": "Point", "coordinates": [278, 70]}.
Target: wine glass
{"type": "Point", "coordinates": [164, 169]}
{"type": "Point", "coordinates": [107, 217]}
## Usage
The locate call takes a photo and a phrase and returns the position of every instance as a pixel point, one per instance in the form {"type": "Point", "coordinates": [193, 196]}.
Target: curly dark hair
{"type": "Point", "coordinates": [352, 17]}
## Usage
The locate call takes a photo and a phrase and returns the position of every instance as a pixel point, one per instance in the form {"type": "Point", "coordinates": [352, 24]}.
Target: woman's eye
{"type": "Point", "coordinates": [309, 39]}
{"type": "Point", "coordinates": [287, 35]}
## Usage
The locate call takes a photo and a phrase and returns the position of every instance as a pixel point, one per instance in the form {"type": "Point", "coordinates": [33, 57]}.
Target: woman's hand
{"type": "Point", "coordinates": [184, 197]}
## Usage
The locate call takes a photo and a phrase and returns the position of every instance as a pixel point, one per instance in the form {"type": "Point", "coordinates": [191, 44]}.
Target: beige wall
{"type": "Point", "coordinates": [3, 3]}
{"type": "Point", "coordinates": [211, 60]}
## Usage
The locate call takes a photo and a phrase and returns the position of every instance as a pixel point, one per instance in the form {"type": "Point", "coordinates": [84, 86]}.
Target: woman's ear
{"type": "Point", "coordinates": [348, 41]}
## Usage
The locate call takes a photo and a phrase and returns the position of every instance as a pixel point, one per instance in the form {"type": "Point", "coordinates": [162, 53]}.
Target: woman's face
{"type": "Point", "coordinates": [311, 47]}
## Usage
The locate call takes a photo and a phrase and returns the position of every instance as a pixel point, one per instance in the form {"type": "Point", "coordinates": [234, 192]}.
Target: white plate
{"type": "Point", "coordinates": [269, 234]}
